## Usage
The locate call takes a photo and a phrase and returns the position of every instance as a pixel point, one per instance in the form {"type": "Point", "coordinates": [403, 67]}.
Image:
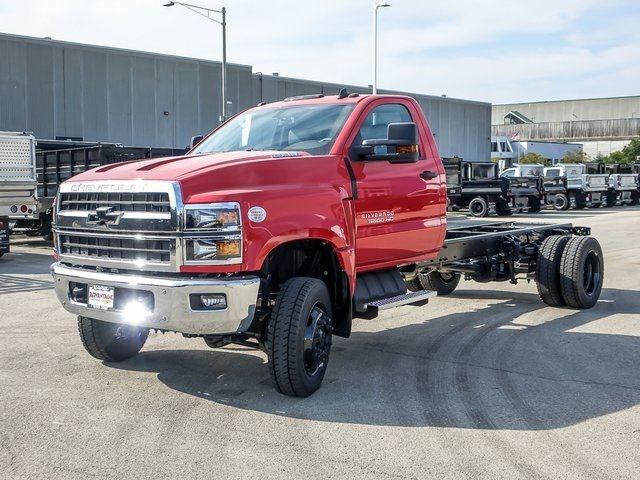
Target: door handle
{"type": "Point", "coordinates": [428, 175]}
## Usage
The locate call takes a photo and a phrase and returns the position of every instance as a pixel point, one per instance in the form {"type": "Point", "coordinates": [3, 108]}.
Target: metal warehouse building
{"type": "Point", "coordinates": [61, 90]}
{"type": "Point", "coordinates": [602, 125]}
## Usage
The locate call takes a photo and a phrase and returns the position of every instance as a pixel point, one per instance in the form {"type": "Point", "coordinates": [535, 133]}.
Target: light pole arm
{"type": "Point", "coordinates": [207, 13]}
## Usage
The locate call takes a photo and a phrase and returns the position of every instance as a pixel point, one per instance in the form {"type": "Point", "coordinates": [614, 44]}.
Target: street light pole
{"type": "Point", "coordinates": [223, 117]}
{"type": "Point", "coordinates": [207, 13]}
{"type": "Point", "coordinates": [376, 6]}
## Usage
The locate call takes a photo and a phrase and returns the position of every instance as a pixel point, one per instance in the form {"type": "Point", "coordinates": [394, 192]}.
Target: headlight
{"type": "Point", "coordinates": [215, 216]}
{"type": "Point", "coordinates": [213, 234]}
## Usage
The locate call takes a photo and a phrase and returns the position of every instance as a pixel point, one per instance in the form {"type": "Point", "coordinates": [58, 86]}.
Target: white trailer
{"type": "Point", "coordinates": [18, 181]}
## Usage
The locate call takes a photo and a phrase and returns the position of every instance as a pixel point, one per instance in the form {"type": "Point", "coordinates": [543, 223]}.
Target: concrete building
{"type": "Point", "coordinates": [62, 90]}
{"type": "Point", "coordinates": [602, 125]}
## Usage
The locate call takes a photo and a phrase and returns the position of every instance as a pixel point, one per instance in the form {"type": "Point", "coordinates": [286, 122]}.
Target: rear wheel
{"type": "Point", "coordinates": [611, 199]}
{"type": "Point", "coordinates": [503, 209]}
{"type": "Point", "coordinates": [578, 201]}
{"type": "Point", "coordinates": [299, 336]}
{"type": "Point", "coordinates": [581, 272]}
{"type": "Point", "coordinates": [535, 205]}
{"type": "Point", "coordinates": [548, 269]}
{"type": "Point", "coordinates": [634, 199]}
{"type": "Point", "coordinates": [478, 207]}
{"type": "Point", "coordinates": [442, 282]}
{"type": "Point", "coordinates": [112, 342]}
{"type": "Point", "coordinates": [561, 202]}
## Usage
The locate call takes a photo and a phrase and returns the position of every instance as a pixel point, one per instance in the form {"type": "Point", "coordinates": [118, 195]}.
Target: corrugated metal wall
{"type": "Point", "coordinates": [572, 131]}
{"type": "Point", "coordinates": [566, 110]}
{"type": "Point", "coordinates": [64, 90]}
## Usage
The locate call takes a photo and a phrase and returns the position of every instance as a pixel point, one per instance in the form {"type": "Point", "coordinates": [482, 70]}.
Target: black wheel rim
{"type": "Point", "coordinates": [592, 273]}
{"type": "Point", "coordinates": [476, 207]}
{"type": "Point", "coordinates": [317, 340]}
{"type": "Point", "coordinates": [447, 276]}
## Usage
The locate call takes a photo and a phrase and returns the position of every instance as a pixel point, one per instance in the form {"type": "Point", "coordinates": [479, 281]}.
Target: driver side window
{"type": "Point", "coordinates": [377, 121]}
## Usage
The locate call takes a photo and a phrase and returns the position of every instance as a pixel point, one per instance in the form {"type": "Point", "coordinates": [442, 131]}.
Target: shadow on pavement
{"type": "Point", "coordinates": [18, 269]}
{"type": "Point", "coordinates": [512, 365]}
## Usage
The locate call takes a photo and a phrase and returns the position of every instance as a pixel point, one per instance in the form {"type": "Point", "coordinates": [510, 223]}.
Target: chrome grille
{"type": "Point", "coordinates": [117, 248]}
{"type": "Point", "coordinates": [157, 202]}
{"type": "Point", "coordinates": [120, 224]}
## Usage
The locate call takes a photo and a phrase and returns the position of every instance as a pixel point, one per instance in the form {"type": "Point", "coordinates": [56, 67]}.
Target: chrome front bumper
{"type": "Point", "coordinates": [171, 306]}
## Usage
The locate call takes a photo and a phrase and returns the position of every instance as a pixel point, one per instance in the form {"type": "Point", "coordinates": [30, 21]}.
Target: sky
{"type": "Point", "coordinates": [491, 50]}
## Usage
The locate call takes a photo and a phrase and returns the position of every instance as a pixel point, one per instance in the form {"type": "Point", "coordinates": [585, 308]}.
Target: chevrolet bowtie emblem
{"type": "Point", "coordinates": [106, 216]}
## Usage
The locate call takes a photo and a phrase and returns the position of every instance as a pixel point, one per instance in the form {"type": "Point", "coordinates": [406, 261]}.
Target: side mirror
{"type": "Point", "coordinates": [195, 140]}
{"type": "Point", "coordinates": [401, 142]}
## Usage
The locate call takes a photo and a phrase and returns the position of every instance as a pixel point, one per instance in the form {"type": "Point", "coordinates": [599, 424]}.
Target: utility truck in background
{"type": "Point", "coordinates": [484, 192]}
{"type": "Point", "coordinates": [584, 189]}
{"type": "Point", "coordinates": [624, 185]}
{"type": "Point", "coordinates": [553, 189]}
{"type": "Point", "coordinates": [18, 180]}
{"type": "Point", "coordinates": [283, 225]}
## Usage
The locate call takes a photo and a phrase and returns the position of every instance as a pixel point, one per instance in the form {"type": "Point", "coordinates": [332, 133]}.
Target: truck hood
{"type": "Point", "coordinates": [213, 177]}
{"type": "Point", "coordinates": [180, 168]}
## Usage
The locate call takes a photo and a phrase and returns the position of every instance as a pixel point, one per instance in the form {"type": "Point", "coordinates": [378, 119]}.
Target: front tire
{"type": "Point", "coordinates": [561, 202]}
{"type": "Point", "coordinates": [582, 272]}
{"type": "Point", "coordinates": [299, 336]}
{"type": "Point", "coordinates": [478, 207]}
{"type": "Point", "coordinates": [111, 342]}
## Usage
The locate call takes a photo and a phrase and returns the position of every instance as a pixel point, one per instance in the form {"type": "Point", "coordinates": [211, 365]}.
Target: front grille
{"type": "Point", "coordinates": [116, 248]}
{"type": "Point", "coordinates": [157, 202]}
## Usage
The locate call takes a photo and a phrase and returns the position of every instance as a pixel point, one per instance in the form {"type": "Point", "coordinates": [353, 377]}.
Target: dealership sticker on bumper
{"type": "Point", "coordinates": [100, 297]}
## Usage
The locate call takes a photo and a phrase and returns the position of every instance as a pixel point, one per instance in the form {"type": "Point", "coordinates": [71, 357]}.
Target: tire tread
{"type": "Point", "coordinates": [548, 270]}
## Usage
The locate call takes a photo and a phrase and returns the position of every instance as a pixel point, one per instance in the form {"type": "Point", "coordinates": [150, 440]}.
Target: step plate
{"type": "Point", "coordinates": [399, 300]}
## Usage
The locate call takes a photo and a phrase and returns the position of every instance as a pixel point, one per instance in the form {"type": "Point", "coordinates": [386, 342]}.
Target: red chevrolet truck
{"type": "Point", "coordinates": [280, 227]}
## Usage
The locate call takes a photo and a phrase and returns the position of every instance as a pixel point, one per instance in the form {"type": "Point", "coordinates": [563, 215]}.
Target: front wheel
{"type": "Point", "coordinates": [535, 205]}
{"type": "Point", "coordinates": [112, 342]}
{"type": "Point", "coordinates": [478, 207]}
{"type": "Point", "coordinates": [561, 202]}
{"type": "Point", "coordinates": [299, 336]}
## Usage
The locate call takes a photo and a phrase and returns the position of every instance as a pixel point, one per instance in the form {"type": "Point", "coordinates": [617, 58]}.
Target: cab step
{"type": "Point", "coordinates": [372, 308]}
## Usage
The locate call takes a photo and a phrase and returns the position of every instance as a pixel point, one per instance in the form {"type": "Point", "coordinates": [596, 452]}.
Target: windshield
{"type": "Point", "coordinates": [311, 128]}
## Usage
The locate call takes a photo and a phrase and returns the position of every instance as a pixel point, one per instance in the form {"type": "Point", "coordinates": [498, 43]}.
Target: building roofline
{"type": "Point", "coordinates": [566, 100]}
{"type": "Point", "coordinates": [115, 50]}
{"type": "Point", "coordinates": [380, 90]}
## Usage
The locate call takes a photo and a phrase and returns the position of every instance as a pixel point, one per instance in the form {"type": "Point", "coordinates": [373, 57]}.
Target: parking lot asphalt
{"type": "Point", "coordinates": [487, 383]}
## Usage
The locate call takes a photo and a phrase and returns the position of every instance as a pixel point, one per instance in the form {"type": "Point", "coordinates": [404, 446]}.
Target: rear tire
{"type": "Point", "coordinates": [478, 207]}
{"type": "Point", "coordinates": [579, 201]}
{"type": "Point", "coordinates": [548, 269]}
{"type": "Point", "coordinates": [299, 336]}
{"type": "Point", "coordinates": [561, 202]}
{"type": "Point", "coordinates": [442, 282]}
{"type": "Point", "coordinates": [611, 199]}
{"type": "Point", "coordinates": [582, 272]}
{"type": "Point", "coordinates": [535, 205]}
{"type": "Point", "coordinates": [111, 342]}
{"type": "Point", "coordinates": [503, 209]}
